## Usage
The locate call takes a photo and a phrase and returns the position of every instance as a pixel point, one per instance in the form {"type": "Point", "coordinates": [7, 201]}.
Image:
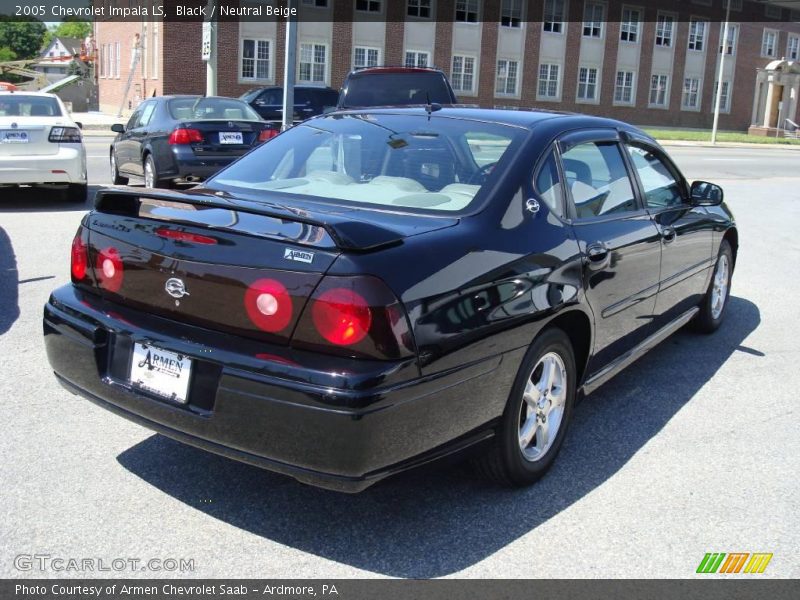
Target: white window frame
{"type": "Point", "coordinates": [469, 7]}
{"type": "Point", "coordinates": [593, 24]}
{"type": "Point", "coordinates": [725, 105]}
{"type": "Point", "coordinates": [764, 47]}
{"type": "Point", "coordinates": [629, 26]}
{"type": "Point", "coordinates": [511, 10]}
{"type": "Point", "coordinates": [326, 64]}
{"type": "Point", "coordinates": [667, 36]}
{"type": "Point", "coordinates": [793, 47]}
{"type": "Point", "coordinates": [154, 52]}
{"type": "Point", "coordinates": [367, 50]}
{"type": "Point", "coordinates": [696, 38]}
{"type": "Point", "coordinates": [417, 54]}
{"type": "Point", "coordinates": [418, 5]}
{"type": "Point", "coordinates": [584, 99]}
{"type": "Point", "coordinates": [117, 59]}
{"type": "Point", "coordinates": [547, 97]}
{"type": "Point", "coordinates": [553, 26]}
{"type": "Point", "coordinates": [456, 79]}
{"type": "Point", "coordinates": [505, 93]}
{"type": "Point", "coordinates": [632, 87]}
{"type": "Point", "coordinates": [733, 39]}
{"type": "Point", "coordinates": [255, 59]}
{"type": "Point", "coordinates": [662, 89]}
{"type": "Point", "coordinates": [689, 90]}
{"type": "Point", "coordinates": [370, 7]}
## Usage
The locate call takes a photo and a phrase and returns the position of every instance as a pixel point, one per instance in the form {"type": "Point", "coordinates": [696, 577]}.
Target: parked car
{"type": "Point", "coordinates": [376, 289]}
{"type": "Point", "coordinates": [40, 144]}
{"type": "Point", "coordinates": [309, 101]}
{"type": "Point", "coordinates": [395, 86]}
{"type": "Point", "coordinates": [183, 139]}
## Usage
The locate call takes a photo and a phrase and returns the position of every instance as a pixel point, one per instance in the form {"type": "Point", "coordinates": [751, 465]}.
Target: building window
{"type": "Point", "coordinates": [691, 93]}
{"type": "Point", "coordinates": [467, 11]}
{"type": "Point", "coordinates": [629, 27]}
{"type": "Point", "coordinates": [415, 58]}
{"type": "Point", "coordinates": [506, 82]}
{"type": "Point", "coordinates": [366, 57]}
{"type": "Point", "coordinates": [623, 88]}
{"type": "Point", "coordinates": [729, 47]}
{"type": "Point", "coordinates": [316, 3]}
{"type": "Point", "coordinates": [724, 102]}
{"type": "Point", "coordinates": [553, 18]}
{"type": "Point", "coordinates": [118, 59]}
{"type": "Point", "coordinates": [593, 20]}
{"type": "Point", "coordinates": [769, 43]}
{"type": "Point", "coordinates": [511, 13]}
{"type": "Point", "coordinates": [658, 90]}
{"type": "Point", "coordinates": [373, 6]}
{"type": "Point", "coordinates": [587, 84]}
{"type": "Point", "coordinates": [463, 75]}
{"type": "Point", "coordinates": [735, 5]}
{"type": "Point", "coordinates": [154, 53]}
{"type": "Point", "coordinates": [549, 76]}
{"type": "Point", "coordinates": [772, 11]}
{"type": "Point", "coordinates": [793, 48]}
{"type": "Point", "coordinates": [313, 63]}
{"type": "Point", "coordinates": [256, 59]}
{"type": "Point", "coordinates": [419, 8]}
{"type": "Point", "coordinates": [665, 26]}
{"type": "Point", "coordinates": [697, 35]}
{"type": "Point", "coordinates": [101, 55]}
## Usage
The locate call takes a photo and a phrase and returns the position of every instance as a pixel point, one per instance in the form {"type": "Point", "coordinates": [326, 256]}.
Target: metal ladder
{"type": "Point", "coordinates": [134, 63]}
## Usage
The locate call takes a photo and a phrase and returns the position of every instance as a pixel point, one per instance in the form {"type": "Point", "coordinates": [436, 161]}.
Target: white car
{"type": "Point", "coordinates": [40, 144]}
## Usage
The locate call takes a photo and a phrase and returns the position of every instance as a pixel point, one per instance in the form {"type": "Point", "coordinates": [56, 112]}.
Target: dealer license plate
{"type": "Point", "coordinates": [161, 372]}
{"type": "Point", "coordinates": [14, 137]}
{"type": "Point", "coordinates": [230, 137]}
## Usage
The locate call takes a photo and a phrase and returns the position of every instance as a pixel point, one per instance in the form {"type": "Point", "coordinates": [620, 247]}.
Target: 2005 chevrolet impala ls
{"type": "Point", "coordinates": [371, 290]}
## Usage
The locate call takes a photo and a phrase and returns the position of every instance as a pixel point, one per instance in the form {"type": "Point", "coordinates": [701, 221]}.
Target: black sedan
{"type": "Point", "coordinates": [372, 290]}
{"type": "Point", "coordinates": [184, 139]}
{"type": "Point", "coordinates": [309, 101]}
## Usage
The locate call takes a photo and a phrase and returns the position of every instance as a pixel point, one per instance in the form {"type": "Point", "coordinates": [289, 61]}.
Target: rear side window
{"type": "Point", "coordinates": [598, 180]}
{"type": "Point", "coordinates": [19, 105]}
{"type": "Point", "coordinates": [548, 185]}
{"type": "Point", "coordinates": [661, 187]}
{"type": "Point", "coordinates": [396, 89]}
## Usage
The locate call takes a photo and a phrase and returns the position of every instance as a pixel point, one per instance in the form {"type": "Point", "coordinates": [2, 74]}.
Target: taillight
{"type": "Point", "coordinates": [78, 258]}
{"type": "Point", "coordinates": [109, 270]}
{"type": "Point", "coordinates": [267, 134]}
{"type": "Point", "coordinates": [268, 305]}
{"type": "Point", "coordinates": [184, 236]}
{"type": "Point", "coordinates": [185, 135]}
{"type": "Point", "coordinates": [65, 135]}
{"type": "Point", "coordinates": [355, 316]}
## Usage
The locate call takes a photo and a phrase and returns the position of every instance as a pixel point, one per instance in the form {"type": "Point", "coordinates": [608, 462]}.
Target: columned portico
{"type": "Point", "coordinates": [777, 96]}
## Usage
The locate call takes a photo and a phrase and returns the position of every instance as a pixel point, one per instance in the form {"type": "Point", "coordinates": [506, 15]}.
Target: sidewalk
{"type": "Point", "coordinates": [96, 123]}
{"type": "Point", "coordinates": [692, 144]}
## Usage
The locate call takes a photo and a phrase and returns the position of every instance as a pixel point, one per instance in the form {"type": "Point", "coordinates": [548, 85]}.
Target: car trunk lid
{"type": "Point", "coordinates": [27, 136]}
{"type": "Point", "coordinates": [225, 138]}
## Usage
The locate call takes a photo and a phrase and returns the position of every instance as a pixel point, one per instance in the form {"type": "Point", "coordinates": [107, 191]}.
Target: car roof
{"type": "Point", "coordinates": [26, 93]}
{"type": "Point", "coordinates": [391, 69]}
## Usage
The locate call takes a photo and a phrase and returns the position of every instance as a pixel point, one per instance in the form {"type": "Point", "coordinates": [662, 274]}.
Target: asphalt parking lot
{"type": "Point", "coordinates": [693, 449]}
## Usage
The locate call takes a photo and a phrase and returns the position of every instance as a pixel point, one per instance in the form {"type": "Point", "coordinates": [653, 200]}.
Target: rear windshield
{"type": "Point", "coordinates": [199, 109]}
{"type": "Point", "coordinates": [396, 89]}
{"type": "Point", "coordinates": [388, 161]}
{"type": "Point", "coordinates": [19, 105]}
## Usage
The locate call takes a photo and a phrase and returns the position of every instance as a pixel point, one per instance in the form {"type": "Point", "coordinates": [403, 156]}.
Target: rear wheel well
{"type": "Point", "coordinates": [579, 331]}
{"type": "Point", "coordinates": [732, 236]}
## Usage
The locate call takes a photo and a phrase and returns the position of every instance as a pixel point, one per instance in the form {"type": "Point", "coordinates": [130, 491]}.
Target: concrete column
{"type": "Point", "coordinates": [768, 105]}
{"type": "Point", "coordinates": [757, 98]}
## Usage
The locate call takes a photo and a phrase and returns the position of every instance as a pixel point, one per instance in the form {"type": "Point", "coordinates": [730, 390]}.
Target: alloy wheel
{"type": "Point", "coordinates": [149, 175]}
{"type": "Point", "coordinates": [719, 290]}
{"type": "Point", "coordinates": [542, 410]}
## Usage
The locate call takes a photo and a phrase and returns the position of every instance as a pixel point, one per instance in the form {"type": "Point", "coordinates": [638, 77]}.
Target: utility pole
{"type": "Point", "coordinates": [718, 102]}
{"type": "Point", "coordinates": [210, 47]}
{"type": "Point", "coordinates": [289, 66]}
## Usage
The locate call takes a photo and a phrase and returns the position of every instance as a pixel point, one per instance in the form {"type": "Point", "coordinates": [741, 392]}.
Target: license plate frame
{"type": "Point", "coordinates": [163, 373]}
{"type": "Point", "coordinates": [231, 137]}
{"type": "Point", "coordinates": [14, 137]}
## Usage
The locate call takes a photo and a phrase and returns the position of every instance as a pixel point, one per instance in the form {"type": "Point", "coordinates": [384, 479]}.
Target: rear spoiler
{"type": "Point", "coordinates": [341, 229]}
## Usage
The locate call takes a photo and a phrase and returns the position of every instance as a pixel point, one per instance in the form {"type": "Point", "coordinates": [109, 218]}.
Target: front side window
{"type": "Point", "coordinates": [598, 180]}
{"type": "Point", "coordinates": [506, 83]}
{"type": "Point", "coordinates": [313, 63]}
{"type": "Point", "coordinates": [593, 20]}
{"type": "Point", "coordinates": [661, 188]}
{"type": "Point", "coordinates": [467, 11]}
{"type": "Point", "coordinates": [587, 83]}
{"type": "Point", "coordinates": [463, 75]}
{"type": "Point", "coordinates": [553, 19]}
{"type": "Point", "coordinates": [658, 90]}
{"type": "Point", "coordinates": [665, 27]}
{"type": "Point", "coordinates": [697, 35]}
{"type": "Point", "coordinates": [629, 27]}
{"type": "Point", "coordinates": [691, 93]}
{"type": "Point", "coordinates": [549, 80]}
{"type": "Point", "coordinates": [383, 161]}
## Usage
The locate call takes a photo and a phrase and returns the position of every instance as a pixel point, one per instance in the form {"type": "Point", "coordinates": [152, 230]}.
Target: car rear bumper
{"type": "Point", "coordinates": [68, 165]}
{"type": "Point", "coordinates": [281, 414]}
{"type": "Point", "coordinates": [190, 167]}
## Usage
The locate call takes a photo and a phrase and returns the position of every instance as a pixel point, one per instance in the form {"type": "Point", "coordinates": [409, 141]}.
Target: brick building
{"type": "Point", "coordinates": [625, 59]}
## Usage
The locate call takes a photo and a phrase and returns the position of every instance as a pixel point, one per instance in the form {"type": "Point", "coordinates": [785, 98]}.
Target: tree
{"type": "Point", "coordinates": [68, 28]}
{"type": "Point", "coordinates": [23, 38]}
{"type": "Point", "coordinates": [7, 54]}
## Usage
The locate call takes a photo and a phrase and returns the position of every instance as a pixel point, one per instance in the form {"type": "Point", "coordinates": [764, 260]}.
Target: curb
{"type": "Point", "coordinates": [692, 144]}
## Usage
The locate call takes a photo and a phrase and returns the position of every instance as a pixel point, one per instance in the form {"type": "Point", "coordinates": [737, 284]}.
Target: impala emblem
{"type": "Point", "coordinates": [175, 288]}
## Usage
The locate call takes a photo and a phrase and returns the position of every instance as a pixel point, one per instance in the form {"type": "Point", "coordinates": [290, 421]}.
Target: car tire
{"type": "Point", "coordinates": [116, 178]}
{"type": "Point", "coordinates": [76, 192]}
{"type": "Point", "coordinates": [151, 179]}
{"type": "Point", "coordinates": [712, 308]}
{"type": "Point", "coordinates": [522, 450]}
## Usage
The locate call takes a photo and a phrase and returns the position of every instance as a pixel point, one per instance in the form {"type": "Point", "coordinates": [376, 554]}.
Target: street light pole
{"type": "Point", "coordinates": [210, 48]}
{"type": "Point", "coordinates": [718, 102]}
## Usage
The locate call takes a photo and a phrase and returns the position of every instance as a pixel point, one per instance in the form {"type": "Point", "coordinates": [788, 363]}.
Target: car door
{"type": "Point", "coordinates": [619, 241]}
{"type": "Point", "coordinates": [269, 104]}
{"type": "Point", "coordinates": [686, 230]}
{"type": "Point", "coordinates": [124, 145]}
{"type": "Point", "coordinates": [138, 136]}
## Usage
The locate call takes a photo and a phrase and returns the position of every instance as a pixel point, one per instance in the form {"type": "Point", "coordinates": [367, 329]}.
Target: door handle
{"type": "Point", "coordinates": [598, 255]}
{"type": "Point", "coordinates": [668, 235]}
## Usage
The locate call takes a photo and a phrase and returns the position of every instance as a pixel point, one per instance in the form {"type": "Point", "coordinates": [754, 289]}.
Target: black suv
{"type": "Point", "coordinates": [309, 101]}
{"type": "Point", "coordinates": [395, 86]}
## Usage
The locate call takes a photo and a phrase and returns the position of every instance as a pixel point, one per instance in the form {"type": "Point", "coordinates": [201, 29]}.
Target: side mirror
{"type": "Point", "coordinates": [706, 194]}
{"type": "Point", "coordinates": [118, 128]}
{"type": "Point", "coordinates": [79, 124]}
